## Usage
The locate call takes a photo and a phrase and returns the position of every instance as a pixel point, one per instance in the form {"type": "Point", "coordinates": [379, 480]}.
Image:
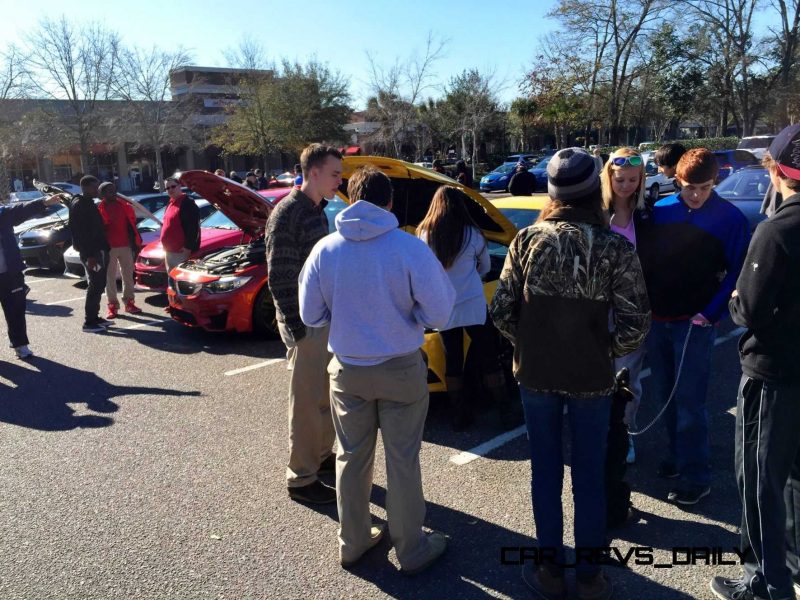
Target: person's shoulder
{"type": "Point", "coordinates": [668, 202]}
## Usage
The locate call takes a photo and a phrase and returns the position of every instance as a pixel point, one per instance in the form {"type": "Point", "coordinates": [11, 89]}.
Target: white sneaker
{"type": "Point", "coordinates": [23, 352]}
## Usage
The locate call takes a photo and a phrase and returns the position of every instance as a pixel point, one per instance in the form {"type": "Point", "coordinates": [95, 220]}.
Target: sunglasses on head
{"type": "Point", "coordinates": [621, 161]}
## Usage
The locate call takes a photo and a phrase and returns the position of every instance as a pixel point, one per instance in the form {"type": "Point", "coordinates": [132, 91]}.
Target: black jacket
{"type": "Point", "coordinates": [522, 184]}
{"type": "Point", "coordinates": [10, 216]}
{"type": "Point", "coordinates": [190, 221]}
{"type": "Point", "coordinates": [88, 230]}
{"type": "Point", "coordinates": [768, 300]}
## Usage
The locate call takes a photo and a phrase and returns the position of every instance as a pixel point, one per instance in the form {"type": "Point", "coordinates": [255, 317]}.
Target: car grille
{"type": "Point", "coordinates": [183, 316]}
{"type": "Point", "coordinates": [150, 261]}
{"type": "Point", "coordinates": [188, 288]}
{"type": "Point", "coordinates": [152, 280]}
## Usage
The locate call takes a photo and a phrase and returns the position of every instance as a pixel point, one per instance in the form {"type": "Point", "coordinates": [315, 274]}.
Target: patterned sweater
{"type": "Point", "coordinates": [561, 279]}
{"type": "Point", "coordinates": [294, 227]}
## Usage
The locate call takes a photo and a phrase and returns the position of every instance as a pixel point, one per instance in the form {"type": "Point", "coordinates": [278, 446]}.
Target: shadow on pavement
{"type": "Point", "coordinates": [39, 398]}
{"type": "Point", "coordinates": [42, 310]}
{"type": "Point", "coordinates": [472, 563]}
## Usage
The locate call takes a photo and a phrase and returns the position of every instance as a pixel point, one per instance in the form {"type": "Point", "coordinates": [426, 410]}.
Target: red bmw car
{"type": "Point", "coordinates": [227, 290]}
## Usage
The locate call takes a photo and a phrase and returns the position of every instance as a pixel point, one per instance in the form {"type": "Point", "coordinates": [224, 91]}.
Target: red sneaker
{"type": "Point", "coordinates": [130, 307]}
{"type": "Point", "coordinates": [113, 310]}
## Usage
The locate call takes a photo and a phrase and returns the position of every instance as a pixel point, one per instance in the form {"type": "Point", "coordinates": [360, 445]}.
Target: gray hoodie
{"type": "Point", "coordinates": [377, 286]}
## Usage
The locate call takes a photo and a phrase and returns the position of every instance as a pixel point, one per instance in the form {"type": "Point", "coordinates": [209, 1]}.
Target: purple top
{"type": "Point", "coordinates": [628, 231]}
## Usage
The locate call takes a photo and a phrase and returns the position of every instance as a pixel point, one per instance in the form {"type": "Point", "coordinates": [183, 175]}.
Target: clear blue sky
{"type": "Point", "coordinates": [340, 33]}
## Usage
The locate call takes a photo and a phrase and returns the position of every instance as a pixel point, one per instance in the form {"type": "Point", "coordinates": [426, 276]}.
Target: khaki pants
{"type": "Point", "coordinates": [120, 261]}
{"type": "Point", "coordinates": [311, 432]}
{"type": "Point", "coordinates": [392, 396]}
{"type": "Point", "coordinates": [173, 259]}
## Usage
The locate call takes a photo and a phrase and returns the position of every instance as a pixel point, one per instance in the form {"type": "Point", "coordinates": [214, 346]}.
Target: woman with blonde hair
{"type": "Point", "coordinates": [623, 183]}
{"type": "Point", "coordinates": [458, 243]}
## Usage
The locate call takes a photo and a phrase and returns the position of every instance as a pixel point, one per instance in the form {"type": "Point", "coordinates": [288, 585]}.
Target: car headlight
{"type": "Point", "coordinates": [226, 284]}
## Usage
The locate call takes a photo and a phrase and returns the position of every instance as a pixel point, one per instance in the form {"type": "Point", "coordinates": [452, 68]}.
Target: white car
{"type": "Point", "coordinates": [757, 144]}
{"type": "Point", "coordinates": [67, 187]}
{"type": "Point", "coordinates": [656, 183]}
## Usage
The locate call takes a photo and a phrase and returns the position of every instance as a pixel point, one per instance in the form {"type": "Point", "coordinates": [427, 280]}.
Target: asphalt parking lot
{"type": "Point", "coordinates": [148, 462]}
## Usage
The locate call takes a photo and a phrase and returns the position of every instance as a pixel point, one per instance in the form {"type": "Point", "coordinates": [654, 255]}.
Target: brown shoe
{"type": "Point", "coordinates": [597, 588]}
{"type": "Point", "coordinates": [543, 583]}
{"type": "Point", "coordinates": [375, 536]}
{"type": "Point", "coordinates": [437, 543]}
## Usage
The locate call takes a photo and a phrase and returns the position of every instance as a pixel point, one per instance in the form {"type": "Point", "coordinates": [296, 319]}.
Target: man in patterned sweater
{"type": "Point", "coordinates": [296, 224]}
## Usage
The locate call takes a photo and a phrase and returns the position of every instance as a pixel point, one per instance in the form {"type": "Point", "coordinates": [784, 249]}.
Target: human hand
{"type": "Point", "coordinates": [55, 199]}
{"type": "Point", "coordinates": [91, 262]}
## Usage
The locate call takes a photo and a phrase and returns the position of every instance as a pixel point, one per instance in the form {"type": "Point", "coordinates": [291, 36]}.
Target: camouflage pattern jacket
{"type": "Point", "coordinates": [563, 281]}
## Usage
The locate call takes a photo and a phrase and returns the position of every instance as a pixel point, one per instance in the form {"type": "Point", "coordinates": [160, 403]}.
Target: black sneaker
{"type": "Point", "coordinates": [731, 589]}
{"type": "Point", "coordinates": [104, 322]}
{"type": "Point", "coordinates": [689, 495]}
{"type": "Point", "coordinates": [93, 327]}
{"type": "Point", "coordinates": [668, 470]}
{"type": "Point", "coordinates": [313, 493]}
{"type": "Point", "coordinates": [327, 466]}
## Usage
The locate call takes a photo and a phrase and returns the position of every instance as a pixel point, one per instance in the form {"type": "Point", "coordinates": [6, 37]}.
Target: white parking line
{"type": "Point", "coordinates": [483, 449]}
{"type": "Point", "coordinates": [145, 324]}
{"type": "Point", "coordinates": [66, 301]}
{"type": "Point", "coordinates": [40, 279]}
{"type": "Point", "coordinates": [266, 363]}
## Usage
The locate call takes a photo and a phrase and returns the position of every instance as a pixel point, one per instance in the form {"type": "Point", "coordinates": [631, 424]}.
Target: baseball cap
{"type": "Point", "coordinates": [785, 149]}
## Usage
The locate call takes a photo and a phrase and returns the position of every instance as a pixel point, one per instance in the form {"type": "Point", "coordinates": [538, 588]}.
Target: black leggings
{"type": "Point", "coordinates": [483, 342]}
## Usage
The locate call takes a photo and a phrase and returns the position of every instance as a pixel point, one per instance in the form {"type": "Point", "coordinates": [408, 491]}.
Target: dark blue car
{"type": "Point", "coordinates": [731, 161]}
{"type": "Point", "coordinates": [745, 189]}
{"type": "Point", "coordinates": [540, 171]}
{"type": "Point", "coordinates": [497, 180]}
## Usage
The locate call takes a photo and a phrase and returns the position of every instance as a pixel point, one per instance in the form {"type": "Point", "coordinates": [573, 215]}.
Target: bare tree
{"type": "Point", "coordinates": [398, 89]}
{"type": "Point", "coordinates": [249, 54]}
{"type": "Point", "coordinates": [152, 117]}
{"type": "Point", "coordinates": [14, 84]}
{"type": "Point", "coordinates": [75, 64]}
{"type": "Point", "coordinates": [785, 42]}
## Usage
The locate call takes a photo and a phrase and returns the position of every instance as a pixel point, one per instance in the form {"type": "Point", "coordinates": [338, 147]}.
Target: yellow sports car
{"type": "Point", "coordinates": [499, 220]}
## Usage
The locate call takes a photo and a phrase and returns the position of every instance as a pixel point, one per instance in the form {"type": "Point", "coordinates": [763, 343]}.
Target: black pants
{"type": "Point", "coordinates": [12, 298]}
{"type": "Point", "coordinates": [483, 342]}
{"type": "Point", "coordinates": [768, 476]}
{"type": "Point", "coordinates": [97, 284]}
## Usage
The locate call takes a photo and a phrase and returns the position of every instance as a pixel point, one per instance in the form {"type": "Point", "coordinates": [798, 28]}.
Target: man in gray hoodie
{"type": "Point", "coordinates": [379, 288]}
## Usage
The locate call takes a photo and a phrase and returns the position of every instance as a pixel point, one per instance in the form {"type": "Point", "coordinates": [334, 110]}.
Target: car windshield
{"type": "Point", "coordinates": [760, 142]}
{"type": "Point", "coordinates": [506, 168]}
{"type": "Point", "coordinates": [745, 184]}
{"type": "Point", "coordinates": [150, 224]}
{"type": "Point", "coordinates": [219, 221]}
{"type": "Point", "coordinates": [542, 164]}
{"type": "Point", "coordinates": [521, 218]}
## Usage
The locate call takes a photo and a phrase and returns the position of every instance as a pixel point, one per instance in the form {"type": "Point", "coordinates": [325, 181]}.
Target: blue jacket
{"type": "Point", "coordinates": [10, 216]}
{"type": "Point", "coordinates": [692, 257]}
{"type": "Point", "coordinates": [378, 287]}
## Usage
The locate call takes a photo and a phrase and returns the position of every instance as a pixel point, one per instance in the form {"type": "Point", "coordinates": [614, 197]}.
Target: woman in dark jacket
{"type": "Point", "coordinates": [12, 280]}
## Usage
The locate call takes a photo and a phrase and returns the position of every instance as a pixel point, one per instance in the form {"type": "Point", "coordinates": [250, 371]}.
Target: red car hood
{"type": "Point", "coordinates": [210, 239]}
{"type": "Point", "coordinates": [248, 209]}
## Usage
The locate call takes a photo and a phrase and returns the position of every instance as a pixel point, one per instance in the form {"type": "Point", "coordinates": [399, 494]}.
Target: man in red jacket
{"type": "Point", "coordinates": [123, 237]}
{"type": "Point", "coordinates": [180, 233]}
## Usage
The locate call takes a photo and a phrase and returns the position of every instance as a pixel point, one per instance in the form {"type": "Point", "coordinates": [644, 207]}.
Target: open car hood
{"type": "Point", "coordinates": [414, 187]}
{"type": "Point", "coordinates": [246, 208]}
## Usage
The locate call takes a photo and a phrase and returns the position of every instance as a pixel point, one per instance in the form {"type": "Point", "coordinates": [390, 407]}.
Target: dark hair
{"type": "Point", "coordinates": [250, 174]}
{"type": "Point", "coordinates": [438, 163]}
{"type": "Point", "coordinates": [698, 165]}
{"type": "Point", "coordinates": [297, 167]}
{"type": "Point", "coordinates": [315, 155]}
{"type": "Point", "coordinates": [370, 184]}
{"type": "Point", "coordinates": [669, 154]}
{"type": "Point", "coordinates": [461, 167]}
{"type": "Point", "coordinates": [446, 223]}
{"type": "Point", "coordinates": [88, 180]}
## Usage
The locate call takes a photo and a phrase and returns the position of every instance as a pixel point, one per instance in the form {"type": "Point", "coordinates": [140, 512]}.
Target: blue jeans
{"type": "Point", "coordinates": [588, 423]}
{"type": "Point", "coordinates": [687, 417]}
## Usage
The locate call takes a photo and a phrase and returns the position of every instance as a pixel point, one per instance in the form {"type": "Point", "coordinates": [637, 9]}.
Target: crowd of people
{"type": "Point", "coordinates": [600, 282]}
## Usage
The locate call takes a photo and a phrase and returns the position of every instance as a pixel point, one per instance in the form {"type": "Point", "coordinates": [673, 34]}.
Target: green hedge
{"type": "Point", "coordinates": [719, 143]}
